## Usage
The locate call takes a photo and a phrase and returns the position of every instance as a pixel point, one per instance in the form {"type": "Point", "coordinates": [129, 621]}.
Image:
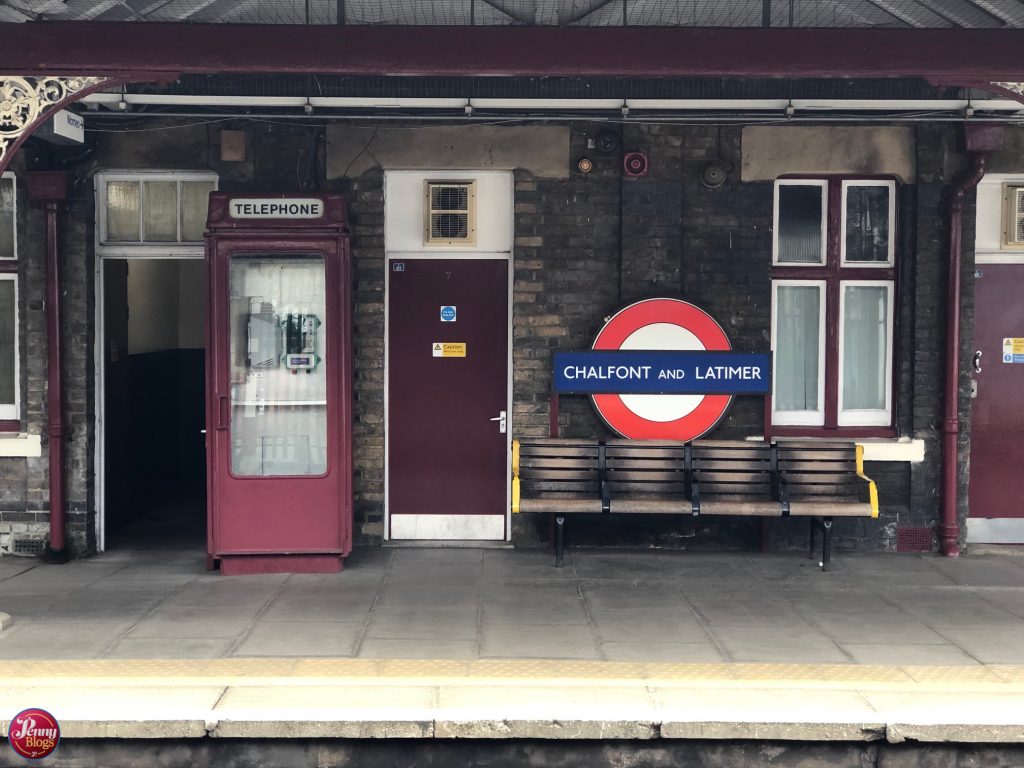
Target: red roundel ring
{"type": "Point", "coordinates": [670, 324]}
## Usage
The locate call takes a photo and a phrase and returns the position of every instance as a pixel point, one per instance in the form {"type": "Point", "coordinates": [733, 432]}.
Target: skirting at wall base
{"type": "Point", "coordinates": [448, 527]}
{"type": "Point", "coordinates": [243, 565]}
{"type": "Point", "coordinates": [985, 530]}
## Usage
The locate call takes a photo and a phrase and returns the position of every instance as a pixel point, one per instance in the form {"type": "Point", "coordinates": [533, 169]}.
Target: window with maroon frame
{"type": "Point", "coordinates": [10, 397]}
{"type": "Point", "coordinates": [833, 291]}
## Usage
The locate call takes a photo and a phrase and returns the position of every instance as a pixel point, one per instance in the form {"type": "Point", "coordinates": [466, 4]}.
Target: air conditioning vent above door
{"type": "Point", "coordinates": [450, 208]}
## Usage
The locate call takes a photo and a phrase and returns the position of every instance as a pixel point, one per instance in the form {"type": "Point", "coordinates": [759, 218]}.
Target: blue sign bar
{"type": "Point", "coordinates": [598, 372]}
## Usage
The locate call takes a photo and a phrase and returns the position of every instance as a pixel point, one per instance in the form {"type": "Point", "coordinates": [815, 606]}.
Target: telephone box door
{"type": "Point", "coordinates": [278, 412]}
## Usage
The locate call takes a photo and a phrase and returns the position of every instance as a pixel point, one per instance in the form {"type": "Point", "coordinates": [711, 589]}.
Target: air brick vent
{"type": "Point", "coordinates": [27, 547]}
{"type": "Point", "coordinates": [911, 539]}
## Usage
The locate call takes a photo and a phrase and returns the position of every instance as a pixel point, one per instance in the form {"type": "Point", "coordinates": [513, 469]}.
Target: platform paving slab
{"type": "Point", "coordinates": [882, 653]}
{"type": "Point", "coordinates": [538, 641]}
{"type": "Point", "coordinates": [319, 638]}
{"type": "Point", "coordinates": [401, 648]}
{"type": "Point", "coordinates": [704, 652]}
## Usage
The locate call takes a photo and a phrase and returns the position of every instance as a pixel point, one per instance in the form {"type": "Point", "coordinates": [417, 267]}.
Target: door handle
{"type": "Point", "coordinates": [502, 419]}
{"type": "Point", "coordinates": [977, 361]}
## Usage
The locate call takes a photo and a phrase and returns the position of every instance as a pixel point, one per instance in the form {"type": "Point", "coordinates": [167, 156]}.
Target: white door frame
{"type": "Point", "coordinates": [99, 385]}
{"type": "Point", "coordinates": [450, 527]}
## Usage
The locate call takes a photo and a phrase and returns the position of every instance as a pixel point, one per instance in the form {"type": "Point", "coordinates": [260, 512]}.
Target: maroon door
{"type": "Point", "coordinates": [997, 415]}
{"type": "Point", "coordinates": [446, 443]}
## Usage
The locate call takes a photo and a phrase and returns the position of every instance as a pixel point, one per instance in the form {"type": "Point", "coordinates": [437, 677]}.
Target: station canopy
{"type": "Point", "coordinates": [914, 14]}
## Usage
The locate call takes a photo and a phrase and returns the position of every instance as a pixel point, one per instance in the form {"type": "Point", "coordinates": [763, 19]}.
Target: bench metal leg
{"type": "Point", "coordinates": [826, 544]}
{"type": "Point", "coordinates": [825, 524]}
{"type": "Point", "coordinates": [559, 540]}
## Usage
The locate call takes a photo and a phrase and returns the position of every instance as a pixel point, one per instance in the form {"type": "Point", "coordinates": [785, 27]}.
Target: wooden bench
{"type": "Point", "coordinates": [820, 480]}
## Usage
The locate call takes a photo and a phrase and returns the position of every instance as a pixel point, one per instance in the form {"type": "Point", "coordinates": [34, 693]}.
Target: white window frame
{"type": "Point", "coordinates": [866, 417]}
{"type": "Point", "coordinates": [891, 251]}
{"type": "Point", "coordinates": [14, 214]}
{"type": "Point", "coordinates": [1010, 215]}
{"type": "Point", "coordinates": [154, 249]}
{"type": "Point", "coordinates": [814, 418]}
{"type": "Point", "coordinates": [12, 411]}
{"type": "Point", "coordinates": [822, 184]}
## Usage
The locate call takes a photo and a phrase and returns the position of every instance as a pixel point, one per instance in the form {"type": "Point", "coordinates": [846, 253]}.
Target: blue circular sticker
{"type": "Point", "coordinates": [448, 314]}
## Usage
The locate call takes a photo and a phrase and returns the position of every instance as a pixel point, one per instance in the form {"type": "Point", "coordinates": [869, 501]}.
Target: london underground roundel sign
{"type": "Point", "coordinates": [662, 324]}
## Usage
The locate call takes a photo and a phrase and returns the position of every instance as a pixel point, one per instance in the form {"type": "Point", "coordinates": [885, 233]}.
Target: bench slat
{"type": "Point", "coordinates": [559, 474]}
{"type": "Point", "coordinates": [653, 476]}
{"type": "Point", "coordinates": [743, 508]}
{"type": "Point", "coordinates": [644, 464]}
{"type": "Point", "coordinates": [816, 466]}
{"type": "Point", "coordinates": [560, 506]}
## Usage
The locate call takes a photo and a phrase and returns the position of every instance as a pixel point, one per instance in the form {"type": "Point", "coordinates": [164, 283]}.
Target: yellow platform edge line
{"type": "Point", "coordinates": [508, 671]}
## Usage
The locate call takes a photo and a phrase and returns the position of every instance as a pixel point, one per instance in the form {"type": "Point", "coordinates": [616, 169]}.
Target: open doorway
{"type": "Point", "coordinates": [151, 442]}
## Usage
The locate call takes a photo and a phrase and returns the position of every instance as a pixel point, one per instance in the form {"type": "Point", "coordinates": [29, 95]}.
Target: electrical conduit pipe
{"type": "Point", "coordinates": [50, 188]}
{"type": "Point", "coordinates": [980, 141]}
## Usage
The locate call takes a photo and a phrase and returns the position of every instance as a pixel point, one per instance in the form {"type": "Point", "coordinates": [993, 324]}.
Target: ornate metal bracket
{"type": "Point", "coordinates": [25, 102]}
{"type": "Point", "coordinates": [1012, 89]}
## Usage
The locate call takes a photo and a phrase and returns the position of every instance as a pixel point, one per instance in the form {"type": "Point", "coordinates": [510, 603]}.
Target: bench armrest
{"type": "Point", "coordinates": [516, 491]}
{"type": "Point", "coordinates": [872, 489]}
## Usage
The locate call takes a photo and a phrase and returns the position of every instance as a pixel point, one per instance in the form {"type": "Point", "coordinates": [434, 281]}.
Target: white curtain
{"type": "Point", "coordinates": [865, 346]}
{"type": "Point", "coordinates": [797, 329]}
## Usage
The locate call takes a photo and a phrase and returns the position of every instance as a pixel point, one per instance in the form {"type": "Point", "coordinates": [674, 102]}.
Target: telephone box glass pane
{"type": "Point", "coordinates": [194, 203]}
{"type": "Point", "coordinates": [277, 372]}
{"type": "Point", "coordinates": [161, 211]}
{"type": "Point", "coordinates": [123, 211]}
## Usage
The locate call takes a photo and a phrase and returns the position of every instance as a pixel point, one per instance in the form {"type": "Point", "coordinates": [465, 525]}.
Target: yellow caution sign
{"type": "Point", "coordinates": [449, 349]}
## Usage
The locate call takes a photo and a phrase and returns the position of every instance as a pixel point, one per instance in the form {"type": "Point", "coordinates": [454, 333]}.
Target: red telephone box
{"type": "Point", "coordinates": [278, 383]}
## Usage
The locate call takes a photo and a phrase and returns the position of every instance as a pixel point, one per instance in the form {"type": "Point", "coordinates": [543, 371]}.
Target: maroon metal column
{"type": "Point", "coordinates": [50, 187]}
{"type": "Point", "coordinates": [980, 140]}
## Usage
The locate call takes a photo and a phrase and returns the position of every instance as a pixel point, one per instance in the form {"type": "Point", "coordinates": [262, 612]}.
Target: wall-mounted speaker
{"type": "Point", "coordinates": [607, 141]}
{"type": "Point", "coordinates": [712, 175]}
{"type": "Point", "coordinates": [635, 163]}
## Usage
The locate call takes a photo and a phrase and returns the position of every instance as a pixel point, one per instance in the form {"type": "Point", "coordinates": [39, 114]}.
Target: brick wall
{"type": "Point", "coordinates": [584, 247]}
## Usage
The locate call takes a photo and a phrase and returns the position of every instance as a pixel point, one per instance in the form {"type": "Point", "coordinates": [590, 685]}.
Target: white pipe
{"type": "Point", "coordinates": [616, 105]}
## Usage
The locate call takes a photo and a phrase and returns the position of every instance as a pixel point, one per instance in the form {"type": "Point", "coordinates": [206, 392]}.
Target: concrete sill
{"type": "Point", "coordinates": [877, 448]}
{"type": "Point", "coordinates": [20, 444]}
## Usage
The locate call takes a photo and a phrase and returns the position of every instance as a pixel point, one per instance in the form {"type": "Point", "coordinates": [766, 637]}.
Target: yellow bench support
{"type": "Point", "coordinates": [515, 477]}
{"type": "Point", "coordinates": [872, 490]}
